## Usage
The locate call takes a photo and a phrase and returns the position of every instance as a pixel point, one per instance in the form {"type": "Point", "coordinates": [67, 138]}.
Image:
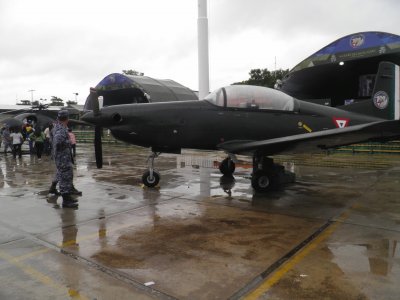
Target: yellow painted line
{"type": "Point", "coordinates": [38, 276]}
{"type": "Point", "coordinates": [31, 254]}
{"type": "Point", "coordinates": [286, 267]}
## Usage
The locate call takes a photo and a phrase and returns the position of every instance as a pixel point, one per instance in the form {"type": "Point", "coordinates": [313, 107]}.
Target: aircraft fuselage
{"type": "Point", "coordinates": [171, 126]}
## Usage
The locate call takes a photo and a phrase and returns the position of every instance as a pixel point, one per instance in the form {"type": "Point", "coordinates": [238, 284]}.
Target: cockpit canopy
{"type": "Point", "coordinates": [251, 97]}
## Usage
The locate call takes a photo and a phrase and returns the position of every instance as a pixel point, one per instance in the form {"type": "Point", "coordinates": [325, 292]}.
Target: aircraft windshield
{"type": "Point", "coordinates": [253, 97]}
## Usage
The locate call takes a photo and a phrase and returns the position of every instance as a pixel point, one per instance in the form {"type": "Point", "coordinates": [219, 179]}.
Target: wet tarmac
{"type": "Point", "coordinates": [333, 234]}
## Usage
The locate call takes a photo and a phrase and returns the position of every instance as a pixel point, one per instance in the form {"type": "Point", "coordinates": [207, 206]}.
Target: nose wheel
{"type": "Point", "coordinates": [227, 167]}
{"type": "Point", "coordinates": [151, 177]}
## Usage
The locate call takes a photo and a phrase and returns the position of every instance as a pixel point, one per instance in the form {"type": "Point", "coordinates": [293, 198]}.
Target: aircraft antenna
{"type": "Point", "coordinates": [202, 31]}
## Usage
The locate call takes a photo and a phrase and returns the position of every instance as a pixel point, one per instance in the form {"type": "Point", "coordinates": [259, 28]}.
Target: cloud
{"type": "Point", "coordinates": [62, 47]}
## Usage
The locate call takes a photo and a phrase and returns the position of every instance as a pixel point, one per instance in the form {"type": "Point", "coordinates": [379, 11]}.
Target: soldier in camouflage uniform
{"type": "Point", "coordinates": [63, 159]}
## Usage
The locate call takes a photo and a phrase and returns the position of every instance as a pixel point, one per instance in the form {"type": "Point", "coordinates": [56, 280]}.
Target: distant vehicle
{"type": "Point", "coordinates": [251, 120]}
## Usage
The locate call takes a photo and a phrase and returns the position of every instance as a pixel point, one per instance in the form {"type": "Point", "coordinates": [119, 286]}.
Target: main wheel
{"type": "Point", "coordinates": [227, 167]}
{"type": "Point", "coordinates": [150, 181]}
{"type": "Point", "coordinates": [263, 181]}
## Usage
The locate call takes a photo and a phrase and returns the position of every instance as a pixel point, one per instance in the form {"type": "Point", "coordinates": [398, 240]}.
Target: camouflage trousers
{"type": "Point", "coordinates": [64, 174]}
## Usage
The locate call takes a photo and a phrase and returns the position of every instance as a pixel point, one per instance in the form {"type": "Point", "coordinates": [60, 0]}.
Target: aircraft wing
{"type": "Point", "coordinates": [317, 141]}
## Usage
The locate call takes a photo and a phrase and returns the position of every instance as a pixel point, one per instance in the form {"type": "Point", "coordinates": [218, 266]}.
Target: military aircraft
{"type": "Point", "coordinates": [38, 115]}
{"type": "Point", "coordinates": [251, 120]}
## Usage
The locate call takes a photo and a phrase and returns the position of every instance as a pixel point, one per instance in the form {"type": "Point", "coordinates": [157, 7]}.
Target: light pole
{"type": "Point", "coordinates": [31, 91]}
{"type": "Point", "coordinates": [202, 36]}
{"type": "Point", "coordinates": [76, 97]}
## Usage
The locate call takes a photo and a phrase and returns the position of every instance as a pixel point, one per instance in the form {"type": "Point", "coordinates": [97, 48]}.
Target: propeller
{"type": "Point", "coordinates": [98, 151]}
{"type": "Point", "coordinates": [98, 130]}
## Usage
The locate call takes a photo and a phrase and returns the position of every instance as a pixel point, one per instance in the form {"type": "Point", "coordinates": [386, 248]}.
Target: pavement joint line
{"type": "Point", "coordinates": [119, 276]}
{"type": "Point", "coordinates": [160, 201]}
{"type": "Point", "coordinates": [40, 277]}
{"type": "Point", "coordinates": [70, 242]}
{"type": "Point", "coordinates": [266, 279]}
{"type": "Point", "coordinates": [17, 261]}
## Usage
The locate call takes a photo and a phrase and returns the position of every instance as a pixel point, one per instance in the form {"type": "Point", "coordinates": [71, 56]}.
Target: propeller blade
{"type": "Point", "coordinates": [98, 151]}
{"type": "Point", "coordinates": [92, 102]}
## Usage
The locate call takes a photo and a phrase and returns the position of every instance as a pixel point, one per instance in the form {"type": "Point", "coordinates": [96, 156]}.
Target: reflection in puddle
{"type": "Point", "coordinates": [207, 181]}
{"type": "Point", "coordinates": [377, 258]}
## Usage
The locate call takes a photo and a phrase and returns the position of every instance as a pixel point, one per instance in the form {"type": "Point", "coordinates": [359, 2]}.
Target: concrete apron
{"type": "Point", "coordinates": [333, 234]}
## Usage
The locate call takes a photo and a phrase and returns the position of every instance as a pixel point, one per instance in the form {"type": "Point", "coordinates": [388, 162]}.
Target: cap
{"type": "Point", "coordinates": [63, 114]}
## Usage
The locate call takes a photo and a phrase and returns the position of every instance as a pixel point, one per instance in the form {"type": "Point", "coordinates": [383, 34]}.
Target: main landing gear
{"type": "Point", "coordinates": [151, 177]}
{"type": "Point", "coordinates": [268, 175]}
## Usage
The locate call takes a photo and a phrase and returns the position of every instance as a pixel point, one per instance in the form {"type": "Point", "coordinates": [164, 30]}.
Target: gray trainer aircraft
{"type": "Point", "coordinates": [251, 120]}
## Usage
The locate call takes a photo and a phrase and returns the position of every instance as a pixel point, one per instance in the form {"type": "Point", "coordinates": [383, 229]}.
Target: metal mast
{"type": "Point", "coordinates": [202, 30]}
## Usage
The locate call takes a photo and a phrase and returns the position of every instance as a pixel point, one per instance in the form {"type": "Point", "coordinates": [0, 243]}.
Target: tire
{"type": "Point", "coordinates": [150, 182]}
{"type": "Point", "coordinates": [263, 181]}
{"type": "Point", "coordinates": [227, 167]}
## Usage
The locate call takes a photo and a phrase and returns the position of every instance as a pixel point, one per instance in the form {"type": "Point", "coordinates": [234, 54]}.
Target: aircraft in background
{"type": "Point", "coordinates": [38, 115]}
{"type": "Point", "coordinates": [250, 120]}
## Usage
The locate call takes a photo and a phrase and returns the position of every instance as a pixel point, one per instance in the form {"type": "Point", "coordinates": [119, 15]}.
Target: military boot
{"type": "Point", "coordinates": [53, 189]}
{"type": "Point", "coordinates": [74, 191]}
{"type": "Point", "coordinates": [69, 202]}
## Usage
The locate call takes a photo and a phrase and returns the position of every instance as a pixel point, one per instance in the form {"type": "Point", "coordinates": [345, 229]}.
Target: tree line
{"type": "Point", "coordinates": [264, 77]}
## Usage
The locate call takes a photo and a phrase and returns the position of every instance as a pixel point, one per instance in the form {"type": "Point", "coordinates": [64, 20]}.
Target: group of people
{"type": "Point", "coordinates": [39, 141]}
{"type": "Point", "coordinates": [62, 142]}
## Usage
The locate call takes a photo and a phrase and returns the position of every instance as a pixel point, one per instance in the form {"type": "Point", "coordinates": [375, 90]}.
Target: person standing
{"type": "Point", "coordinates": [38, 137]}
{"type": "Point", "coordinates": [6, 139]}
{"type": "Point", "coordinates": [72, 139]}
{"type": "Point", "coordinates": [47, 142]}
{"type": "Point", "coordinates": [54, 182]}
{"type": "Point", "coordinates": [17, 140]}
{"type": "Point", "coordinates": [63, 159]}
{"type": "Point", "coordinates": [29, 130]}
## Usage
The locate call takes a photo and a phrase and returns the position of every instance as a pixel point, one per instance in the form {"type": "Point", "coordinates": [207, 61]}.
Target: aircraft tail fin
{"type": "Point", "coordinates": [385, 99]}
{"type": "Point", "coordinates": [386, 93]}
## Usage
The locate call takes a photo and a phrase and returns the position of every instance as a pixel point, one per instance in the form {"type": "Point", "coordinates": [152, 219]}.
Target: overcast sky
{"type": "Point", "coordinates": [59, 47]}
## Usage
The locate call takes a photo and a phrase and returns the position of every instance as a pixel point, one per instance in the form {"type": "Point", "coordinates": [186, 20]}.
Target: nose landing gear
{"type": "Point", "coordinates": [227, 167]}
{"type": "Point", "coordinates": [151, 177]}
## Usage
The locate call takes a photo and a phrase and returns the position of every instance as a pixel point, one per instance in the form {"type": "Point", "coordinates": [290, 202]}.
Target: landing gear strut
{"type": "Point", "coordinates": [268, 175]}
{"type": "Point", "coordinates": [151, 177]}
